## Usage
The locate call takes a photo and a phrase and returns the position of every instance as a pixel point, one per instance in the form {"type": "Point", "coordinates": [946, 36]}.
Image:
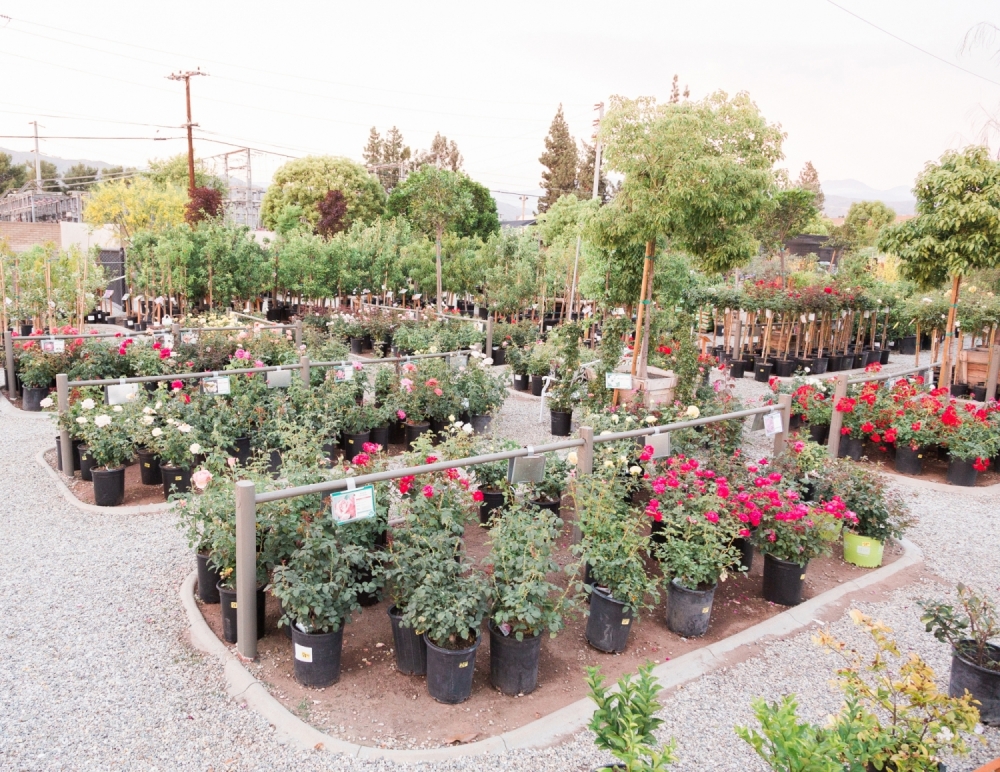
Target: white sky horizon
{"type": "Point", "coordinates": [301, 78]}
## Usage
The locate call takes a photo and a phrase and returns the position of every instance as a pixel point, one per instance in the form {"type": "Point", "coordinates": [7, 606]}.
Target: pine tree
{"type": "Point", "coordinates": [675, 91]}
{"type": "Point", "coordinates": [560, 160]}
{"type": "Point", "coordinates": [373, 150]}
{"type": "Point", "coordinates": [442, 154]}
{"type": "Point", "coordinates": [809, 180]}
{"type": "Point", "coordinates": [586, 176]}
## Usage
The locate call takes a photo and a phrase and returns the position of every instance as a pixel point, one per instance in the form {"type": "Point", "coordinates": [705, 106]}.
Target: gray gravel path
{"type": "Point", "coordinates": [96, 672]}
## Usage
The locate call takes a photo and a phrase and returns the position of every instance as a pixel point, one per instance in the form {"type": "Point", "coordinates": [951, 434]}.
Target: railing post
{"type": "Point", "coordinates": [489, 336]}
{"type": "Point", "coordinates": [304, 369]}
{"type": "Point", "coordinates": [65, 443]}
{"type": "Point", "coordinates": [991, 377]}
{"type": "Point", "coordinates": [298, 333]}
{"type": "Point", "coordinates": [8, 347]}
{"type": "Point", "coordinates": [836, 417]}
{"type": "Point", "coordinates": [175, 332]}
{"type": "Point", "coordinates": [584, 465]}
{"type": "Point", "coordinates": [246, 569]}
{"type": "Point", "coordinates": [785, 410]}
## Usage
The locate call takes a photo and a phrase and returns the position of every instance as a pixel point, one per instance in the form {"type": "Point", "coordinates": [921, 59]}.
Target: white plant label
{"type": "Point", "coordinates": [350, 505]}
{"type": "Point", "coordinates": [53, 346]}
{"type": "Point", "coordinates": [120, 393]}
{"type": "Point", "coordinates": [618, 381]}
{"type": "Point", "coordinates": [303, 653]}
{"type": "Point", "coordinates": [864, 548]}
{"type": "Point", "coordinates": [660, 443]}
{"type": "Point", "coordinates": [343, 374]}
{"type": "Point", "coordinates": [772, 424]}
{"type": "Point", "coordinates": [189, 337]}
{"type": "Point", "coordinates": [279, 379]}
{"type": "Point", "coordinates": [218, 386]}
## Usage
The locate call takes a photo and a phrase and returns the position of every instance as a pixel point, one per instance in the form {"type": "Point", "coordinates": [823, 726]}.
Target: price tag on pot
{"type": "Point", "coordinates": [120, 393]}
{"type": "Point", "coordinates": [303, 653]}
{"type": "Point", "coordinates": [864, 548]}
{"type": "Point", "coordinates": [660, 443]}
{"type": "Point", "coordinates": [279, 379]}
{"type": "Point", "coordinates": [343, 374]}
{"type": "Point", "coordinates": [772, 424]}
{"type": "Point", "coordinates": [527, 469]}
{"type": "Point", "coordinates": [352, 505]}
{"type": "Point", "coordinates": [217, 386]}
{"type": "Point", "coordinates": [618, 381]}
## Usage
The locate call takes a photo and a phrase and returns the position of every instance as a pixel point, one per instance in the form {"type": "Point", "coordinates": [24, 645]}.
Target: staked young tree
{"type": "Point", "coordinates": [789, 213]}
{"type": "Point", "coordinates": [560, 160]}
{"type": "Point", "coordinates": [809, 180]}
{"type": "Point", "coordinates": [12, 176]}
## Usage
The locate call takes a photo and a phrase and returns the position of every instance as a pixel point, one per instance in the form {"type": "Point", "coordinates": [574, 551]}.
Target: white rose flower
{"type": "Point", "coordinates": [451, 418]}
{"type": "Point", "coordinates": [81, 420]}
{"type": "Point", "coordinates": [635, 471]}
{"type": "Point", "coordinates": [118, 408]}
{"type": "Point", "coordinates": [183, 428]}
{"type": "Point", "coordinates": [171, 421]}
{"type": "Point", "coordinates": [195, 448]}
{"type": "Point", "coordinates": [651, 419]}
{"type": "Point", "coordinates": [88, 404]}
{"type": "Point", "coordinates": [47, 402]}
{"type": "Point", "coordinates": [102, 420]}
{"type": "Point", "coordinates": [157, 431]}
{"type": "Point", "coordinates": [488, 362]}
{"type": "Point", "coordinates": [606, 431]}
{"type": "Point", "coordinates": [614, 419]}
{"type": "Point", "coordinates": [692, 411]}
{"type": "Point", "coordinates": [608, 464]}
{"type": "Point", "coordinates": [158, 405]}
{"type": "Point", "coordinates": [147, 410]}
{"type": "Point", "coordinates": [468, 429]}
{"type": "Point", "coordinates": [629, 419]}
{"type": "Point", "coordinates": [572, 458]}
{"type": "Point", "coordinates": [147, 420]}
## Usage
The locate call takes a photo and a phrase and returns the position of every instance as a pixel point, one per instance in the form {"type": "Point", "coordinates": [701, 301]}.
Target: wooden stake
{"type": "Point", "coordinates": [949, 333]}
{"type": "Point", "coordinates": [642, 304]}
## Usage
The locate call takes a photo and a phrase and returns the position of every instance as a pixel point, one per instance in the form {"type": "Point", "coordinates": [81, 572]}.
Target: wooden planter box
{"type": "Point", "coordinates": [973, 366]}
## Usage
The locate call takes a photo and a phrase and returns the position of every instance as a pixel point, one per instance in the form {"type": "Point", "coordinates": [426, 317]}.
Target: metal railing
{"type": "Point", "coordinates": [247, 497]}
{"type": "Point", "coordinates": [304, 366]}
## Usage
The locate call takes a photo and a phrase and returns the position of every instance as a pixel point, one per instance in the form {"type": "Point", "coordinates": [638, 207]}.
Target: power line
{"type": "Point", "coordinates": [52, 136]}
{"type": "Point", "coordinates": [914, 45]}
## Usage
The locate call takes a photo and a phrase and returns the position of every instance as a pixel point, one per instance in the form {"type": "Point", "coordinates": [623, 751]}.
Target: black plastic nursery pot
{"type": "Point", "coordinates": [514, 663]}
{"type": "Point", "coordinates": [553, 505]}
{"type": "Point", "coordinates": [858, 361]}
{"type": "Point", "coordinates": [274, 462]}
{"type": "Point", "coordinates": [908, 345]}
{"type": "Point", "coordinates": [962, 472]}
{"type": "Point", "coordinates": [414, 430]}
{"type": "Point", "coordinates": [227, 598]}
{"type": "Point", "coordinates": [872, 356]}
{"type": "Point", "coordinates": [983, 684]}
{"type": "Point", "coordinates": [736, 369]}
{"type": "Point", "coordinates": [410, 648]}
{"type": "Point", "coordinates": [439, 426]}
{"type": "Point", "coordinates": [908, 460]}
{"type": "Point", "coordinates": [26, 329]}
{"type": "Point", "coordinates": [109, 486]}
{"type": "Point", "coordinates": [149, 468]}
{"type": "Point", "coordinates": [820, 433]}
{"type": "Point", "coordinates": [242, 450]}
{"type": "Point", "coordinates": [834, 364]}
{"type": "Point", "coordinates": [380, 436]}
{"type": "Point", "coordinates": [208, 579]}
{"type": "Point", "coordinates": [480, 423]}
{"type": "Point", "coordinates": [851, 447]}
{"type": "Point", "coordinates": [86, 463]}
{"type": "Point", "coordinates": [31, 398]}
{"type": "Point", "coordinates": [959, 389]}
{"type": "Point", "coordinates": [689, 611]}
{"type": "Point", "coordinates": [397, 432]}
{"type": "Point", "coordinates": [521, 382]}
{"type": "Point", "coordinates": [492, 500]}
{"type": "Point", "coordinates": [806, 364]}
{"type": "Point", "coordinates": [883, 356]}
{"type": "Point", "coordinates": [499, 356]}
{"type": "Point", "coordinates": [783, 581]}
{"type": "Point", "coordinates": [537, 384]}
{"type": "Point", "coordinates": [176, 479]}
{"type": "Point", "coordinates": [762, 371]}
{"type": "Point", "coordinates": [450, 671]}
{"type": "Point", "coordinates": [609, 622]}
{"type": "Point", "coordinates": [317, 657]}
{"type": "Point", "coordinates": [978, 393]}
{"type": "Point", "coordinates": [784, 368]}
{"type": "Point", "coordinates": [353, 443]}
{"type": "Point", "coordinates": [76, 455]}
{"type": "Point", "coordinates": [357, 345]}
{"type": "Point", "coordinates": [561, 422]}
{"type": "Point", "coordinates": [745, 546]}
{"type": "Point", "coordinates": [820, 365]}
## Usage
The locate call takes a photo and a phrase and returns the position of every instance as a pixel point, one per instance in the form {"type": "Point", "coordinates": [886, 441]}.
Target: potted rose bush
{"type": "Point", "coordinates": [109, 438]}
{"type": "Point", "coordinates": [915, 427]}
{"type": "Point", "coordinates": [971, 441]}
{"type": "Point", "coordinates": [697, 549]}
{"type": "Point", "coordinates": [176, 443]}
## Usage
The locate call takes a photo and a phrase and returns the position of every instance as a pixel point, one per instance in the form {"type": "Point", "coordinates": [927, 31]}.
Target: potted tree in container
{"type": "Point", "coordinates": [566, 392]}
{"type": "Point", "coordinates": [625, 720]}
{"type": "Point", "coordinates": [524, 604]}
{"type": "Point", "coordinates": [110, 444]}
{"type": "Point", "coordinates": [539, 365]}
{"type": "Point", "coordinates": [518, 361]}
{"type": "Point", "coordinates": [975, 662]}
{"type": "Point", "coordinates": [697, 548]}
{"type": "Point", "coordinates": [613, 548]}
{"type": "Point", "coordinates": [881, 513]}
{"type": "Point", "coordinates": [318, 590]}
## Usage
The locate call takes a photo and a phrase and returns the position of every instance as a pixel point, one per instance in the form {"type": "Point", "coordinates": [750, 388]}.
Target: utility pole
{"type": "Point", "coordinates": [186, 77]}
{"type": "Point", "coordinates": [523, 200]}
{"type": "Point", "coordinates": [38, 160]}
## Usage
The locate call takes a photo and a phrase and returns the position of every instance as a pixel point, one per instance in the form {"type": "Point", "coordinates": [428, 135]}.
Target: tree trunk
{"type": "Point", "coordinates": [642, 304]}
{"type": "Point", "coordinates": [437, 249]}
{"type": "Point", "coordinates": [949, 333]}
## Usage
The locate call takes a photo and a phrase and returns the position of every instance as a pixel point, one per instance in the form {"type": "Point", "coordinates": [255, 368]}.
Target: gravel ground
{"type": "Point", "coordinates": [96, 671]}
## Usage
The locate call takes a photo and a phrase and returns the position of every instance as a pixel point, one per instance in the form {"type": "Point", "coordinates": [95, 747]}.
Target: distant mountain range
{"type": "Point", "coordinates": [840, 194]}
{"type": "Point", "coordinates": [62, 164]}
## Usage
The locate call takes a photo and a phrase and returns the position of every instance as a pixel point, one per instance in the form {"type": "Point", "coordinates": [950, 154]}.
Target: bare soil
{"type": "Point", "coordinates": [374, 704]}
{"type": "Point", "coordinates": [135, 492]}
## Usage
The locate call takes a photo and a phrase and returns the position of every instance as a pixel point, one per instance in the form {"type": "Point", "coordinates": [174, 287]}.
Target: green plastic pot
{"type": "Point", "coordinates": [862, 550]}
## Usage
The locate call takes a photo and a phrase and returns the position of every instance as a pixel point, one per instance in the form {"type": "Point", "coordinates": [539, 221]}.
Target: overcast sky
{"type": "Point", "coordinates": [298, 78]}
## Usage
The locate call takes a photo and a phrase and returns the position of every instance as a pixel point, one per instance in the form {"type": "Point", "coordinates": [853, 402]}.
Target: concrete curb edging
{"type": "Point", "coordinates": [544, 731]}
{"type": "Point", "coordinates": [138, 509]}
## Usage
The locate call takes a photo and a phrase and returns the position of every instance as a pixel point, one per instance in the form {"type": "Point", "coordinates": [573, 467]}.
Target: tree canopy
{"type": "Point", "coordinates": [864, 222]}
{"type": "Point", "coordinates": [560, 160]}
{"type": "Point", "coordinates": [305, 182]}
{"type": "Point", "coordinates": [12, 176]}
{"type": "Point", "coordinates": [135, 205]}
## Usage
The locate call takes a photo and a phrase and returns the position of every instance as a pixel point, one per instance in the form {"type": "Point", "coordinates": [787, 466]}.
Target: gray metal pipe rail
{"type": "Point", "coordinates": [247, 497]}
